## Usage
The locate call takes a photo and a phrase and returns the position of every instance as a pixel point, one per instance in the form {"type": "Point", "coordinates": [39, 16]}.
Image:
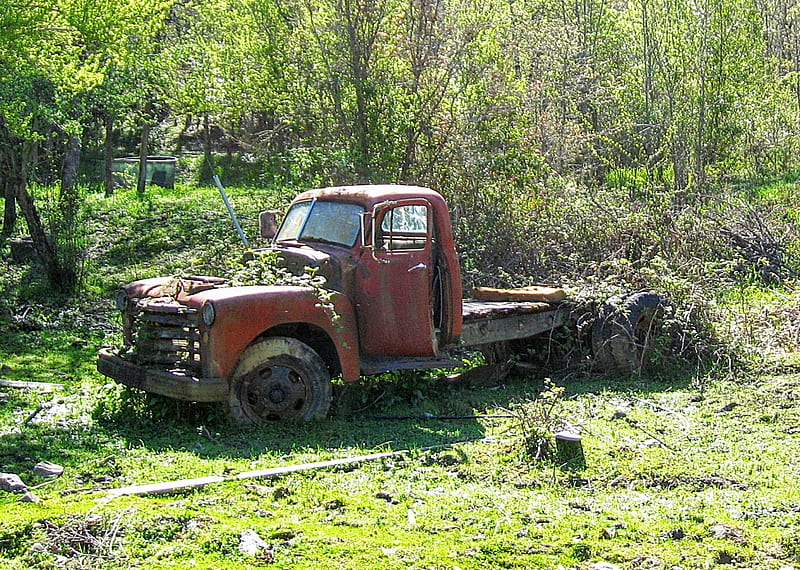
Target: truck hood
{"type": "Point", "coordinates": [296, 258]}
{"type": "Point", "coordinates": [177, 288]}
{"type": "Point", "coordinates": [174, 292]}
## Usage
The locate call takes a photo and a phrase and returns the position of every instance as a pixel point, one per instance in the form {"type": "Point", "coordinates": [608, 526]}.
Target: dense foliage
{"type": "Point", "coordinates": [574, 140]}
{"type": "Point", "coordinates": [502, 92]}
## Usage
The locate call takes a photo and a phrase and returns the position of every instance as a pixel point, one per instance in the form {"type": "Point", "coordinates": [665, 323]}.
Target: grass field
{"type": "Point", "coordinates": [679, 470]}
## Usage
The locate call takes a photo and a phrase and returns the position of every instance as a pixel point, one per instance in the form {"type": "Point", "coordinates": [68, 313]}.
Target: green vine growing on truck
{"type": "Point", "coordinates": [263, 268]}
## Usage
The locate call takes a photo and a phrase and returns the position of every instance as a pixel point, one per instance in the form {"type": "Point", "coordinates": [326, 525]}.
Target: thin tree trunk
{"type": "Point", "coordinates": [108, 156]}
{"type": "Point", "coordinates": [207, 172]}
{"type": "Point", "coordinates": [6, 185]}
{"type": "Point", "coordinates": [143, 150]}
{"type": "Point", "coordinates": [181, 140]}
{"type": "Point", "coordinates": [10, 210]}
{"type": "Point", "coordinates": [69, 173]}
{"type": "Point", "coordinates": [42, 243]}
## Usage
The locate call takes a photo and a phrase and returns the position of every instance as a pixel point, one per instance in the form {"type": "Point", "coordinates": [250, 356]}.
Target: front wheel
{"type": "Point", "coordinates": [279, 378]}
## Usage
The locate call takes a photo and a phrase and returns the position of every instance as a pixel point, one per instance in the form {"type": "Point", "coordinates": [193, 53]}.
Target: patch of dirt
{"type": "Point", "coordinates": [668, 483]}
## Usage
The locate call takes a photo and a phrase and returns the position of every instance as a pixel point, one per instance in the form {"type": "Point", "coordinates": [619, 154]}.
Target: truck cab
{"type": "Point", "coordinates": [390, 251]}
{"type": "Point", "coordinates": [388, 257]}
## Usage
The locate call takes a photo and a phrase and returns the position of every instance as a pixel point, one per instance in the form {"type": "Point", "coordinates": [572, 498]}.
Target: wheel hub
{"type": "Point", "coordinates": [277, 395]}
{"type": "Point", "coordinates": [275, 392]}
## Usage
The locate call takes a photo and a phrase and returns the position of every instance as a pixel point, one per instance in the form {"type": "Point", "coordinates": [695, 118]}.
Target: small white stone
{"type": "Point", "coordinates": [250, 543]}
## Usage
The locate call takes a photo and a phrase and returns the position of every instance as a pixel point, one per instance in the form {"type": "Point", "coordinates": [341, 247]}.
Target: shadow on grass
{"type": "Point", "coordinates": [406, 411]}
{"type": "Point", "coordinates": [163, 424]}
{"type": "Point", "coordinates": [392, 412]}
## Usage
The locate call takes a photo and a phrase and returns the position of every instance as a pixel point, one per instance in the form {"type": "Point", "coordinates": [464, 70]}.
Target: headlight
{"type": "Point", "coordinates": [121, 299]}
{"type": "Point", "coordinates": [208, 313]}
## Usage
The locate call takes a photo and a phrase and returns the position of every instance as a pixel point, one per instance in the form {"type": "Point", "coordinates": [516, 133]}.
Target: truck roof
{"type": "Point", "coordinates": [370, 194]}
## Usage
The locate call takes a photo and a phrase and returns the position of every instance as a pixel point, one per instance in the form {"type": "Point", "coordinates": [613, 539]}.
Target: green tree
{"type": "Point", "coordinates": [53, 56]}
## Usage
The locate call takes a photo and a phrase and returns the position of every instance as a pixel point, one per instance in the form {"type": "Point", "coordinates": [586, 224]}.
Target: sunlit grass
{"type": "Point", "coordinates": [682, 470]}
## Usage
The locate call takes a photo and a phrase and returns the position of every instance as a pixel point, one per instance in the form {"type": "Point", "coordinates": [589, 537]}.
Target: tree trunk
{"type": "Point", "coordinates": [69, 173]}
{"type": "Point", "coordinates": [108, 156]}
{"type": "Point", "coordinates": [8, 189]}
{"type": "Point", "coordinates": [143, 150]}
{"type": "Point", "coordinates": [42, 243]}
{"type": "Point", "coordinates": [207, 172]}
{"type": "Point", "coordinates": [359, 60]}
{"type": "Point", "coordinates": [10, 210]}
{"type": "Point", "coordinates": [181, 140]}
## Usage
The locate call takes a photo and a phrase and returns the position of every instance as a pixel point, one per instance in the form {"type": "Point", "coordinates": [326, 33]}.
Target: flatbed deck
{"type": "Point", "coordinates": [495, 321]}
{"type": "Point", "coordinates": [473, 309]}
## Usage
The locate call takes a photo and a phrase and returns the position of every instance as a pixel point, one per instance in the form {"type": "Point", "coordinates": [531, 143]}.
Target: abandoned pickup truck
{"type": "Point", "coordinates": [388, 256]}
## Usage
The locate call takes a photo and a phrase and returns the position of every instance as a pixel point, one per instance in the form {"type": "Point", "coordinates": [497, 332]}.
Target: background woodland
{"type": "Point", "coordinates": [566, 135]}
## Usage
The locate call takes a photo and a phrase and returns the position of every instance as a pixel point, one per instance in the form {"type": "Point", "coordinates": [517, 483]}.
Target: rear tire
{"type": "Point", "coordinates": [279, 378]}
{"type": "Point", "coordinates": [623, 333]}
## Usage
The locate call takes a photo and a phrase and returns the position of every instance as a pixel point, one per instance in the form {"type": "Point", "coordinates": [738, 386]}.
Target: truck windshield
{"type": "Point", "coordinates": [331, 222]}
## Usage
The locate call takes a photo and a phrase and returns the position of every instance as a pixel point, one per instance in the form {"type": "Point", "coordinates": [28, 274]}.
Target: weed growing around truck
{"type": "Point", "coordinates": [682, 469]}
{"type": "Point", "coordinates": [674, 476]}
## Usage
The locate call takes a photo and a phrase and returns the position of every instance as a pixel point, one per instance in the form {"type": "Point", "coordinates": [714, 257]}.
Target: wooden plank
{"type": "Point", "coordinates": [183, 484]}
{"type": "Point", "coordinates": [515, 326]}
{"type": "Point", "coordinates": [43, 386]}
{"type": "Point", "coordinates": [534, 293]}
{"type": "Point", "coordinates": [474, 309]}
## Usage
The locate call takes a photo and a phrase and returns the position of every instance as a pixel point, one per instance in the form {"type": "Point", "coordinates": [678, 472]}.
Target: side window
{"type": "Point", "coordinates": [405, 227]}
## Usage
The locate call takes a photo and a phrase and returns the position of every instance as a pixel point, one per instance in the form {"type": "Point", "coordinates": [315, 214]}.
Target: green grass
{"type": "Point", "coordinates": [672, 476]}
{"type": "Point", "coordinates": [681, 471]}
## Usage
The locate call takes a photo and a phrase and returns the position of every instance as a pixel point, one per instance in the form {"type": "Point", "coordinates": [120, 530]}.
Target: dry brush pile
{"type": "Point", "coordinates": [706, 253]}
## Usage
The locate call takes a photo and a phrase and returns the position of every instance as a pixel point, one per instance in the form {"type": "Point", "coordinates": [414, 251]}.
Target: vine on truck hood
{"type": "Point", "coordinates": [263, 268]}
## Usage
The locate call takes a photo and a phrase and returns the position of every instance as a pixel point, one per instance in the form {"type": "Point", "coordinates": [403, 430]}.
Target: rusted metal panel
{"type": "Point", "coordinates": [245, 313]}
{"type": "Point", "coordinates": [379, 364]}
{"type": "Point", "coordinates": [372, 195]}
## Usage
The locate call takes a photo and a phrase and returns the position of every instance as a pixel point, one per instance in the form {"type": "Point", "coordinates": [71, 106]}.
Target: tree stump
{"type": "Point", "coordinates": [569, 450]}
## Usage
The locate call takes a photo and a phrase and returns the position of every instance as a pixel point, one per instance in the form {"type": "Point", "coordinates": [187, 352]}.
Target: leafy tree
{"type": "Point", "coordinates": [53, 57]}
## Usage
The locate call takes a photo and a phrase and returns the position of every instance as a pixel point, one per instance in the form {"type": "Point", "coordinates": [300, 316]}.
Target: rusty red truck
{"type": "Point", "coordinates": [389, 260]}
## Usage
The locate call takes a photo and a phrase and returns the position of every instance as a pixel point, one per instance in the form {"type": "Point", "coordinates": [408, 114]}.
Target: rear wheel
{"type": "Point", "coordinates": [624, 332]}
{"type": "Point", "coordinates": [279, 378]}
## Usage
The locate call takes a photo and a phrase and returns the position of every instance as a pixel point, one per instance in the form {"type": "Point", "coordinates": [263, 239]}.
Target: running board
{"type": "Point", "coordinates": [379, 364]}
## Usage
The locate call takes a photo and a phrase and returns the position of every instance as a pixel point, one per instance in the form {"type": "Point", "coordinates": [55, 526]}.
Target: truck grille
{"type": "Point", "coordinates": [165, 337]}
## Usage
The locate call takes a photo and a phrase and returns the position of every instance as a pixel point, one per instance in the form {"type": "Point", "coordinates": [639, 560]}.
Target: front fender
{"type": "Point", "coordinates": [245, 313]}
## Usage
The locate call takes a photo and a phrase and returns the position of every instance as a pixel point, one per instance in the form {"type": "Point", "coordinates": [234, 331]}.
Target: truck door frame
{"type": "Point", "coordinates": [394, 275]}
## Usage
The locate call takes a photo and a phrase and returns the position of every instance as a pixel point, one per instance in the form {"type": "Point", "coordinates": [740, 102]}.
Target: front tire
{"type": "Point", "coordinates": [279, 378]}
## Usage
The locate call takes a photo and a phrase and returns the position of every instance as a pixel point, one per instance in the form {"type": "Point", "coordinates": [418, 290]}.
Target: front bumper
{"type": "Point", "coordinates": [173, 384]}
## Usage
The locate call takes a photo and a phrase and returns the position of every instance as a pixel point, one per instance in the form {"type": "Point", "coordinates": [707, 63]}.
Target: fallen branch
{"type": "Point", "coordinates": [172, 486]}
{"type": "Point", "coordinates": [43, 386]}
{"type": "Point", "coordinates": [33, 414]}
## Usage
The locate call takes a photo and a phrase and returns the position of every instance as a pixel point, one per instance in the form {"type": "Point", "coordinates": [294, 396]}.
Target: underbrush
{"type": "Point", "coordinates": [696, 249]}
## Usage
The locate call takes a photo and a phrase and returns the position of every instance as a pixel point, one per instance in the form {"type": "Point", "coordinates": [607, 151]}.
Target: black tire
{"type": "Point", "coordinates": [624, 331]}
{"type": "Point", "coordinates": [279, 378]}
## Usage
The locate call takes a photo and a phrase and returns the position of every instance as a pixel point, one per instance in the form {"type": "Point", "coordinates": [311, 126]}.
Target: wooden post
{"type": "Point", "coordinates": [569, 450]}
